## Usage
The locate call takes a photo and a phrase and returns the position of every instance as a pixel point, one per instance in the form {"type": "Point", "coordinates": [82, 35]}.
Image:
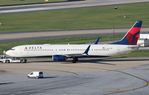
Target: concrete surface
{"type": "Point", "coordinates": [106, 77]}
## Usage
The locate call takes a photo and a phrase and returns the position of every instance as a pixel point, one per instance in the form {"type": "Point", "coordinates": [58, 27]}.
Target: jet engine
{"type": "Point", "coordinates": [58, 58]}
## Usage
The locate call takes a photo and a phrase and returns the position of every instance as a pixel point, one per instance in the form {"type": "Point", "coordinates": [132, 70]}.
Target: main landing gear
{"type": "Point", "coordinates": [74, 60]}
{"type": "Point", "coordinates": [23, 60]}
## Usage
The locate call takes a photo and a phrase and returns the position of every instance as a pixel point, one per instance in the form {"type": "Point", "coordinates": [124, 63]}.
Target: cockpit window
{"type": "Point", "coordinates": [12, 49]}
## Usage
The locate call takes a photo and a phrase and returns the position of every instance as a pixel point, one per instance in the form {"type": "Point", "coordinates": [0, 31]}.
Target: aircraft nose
{"type": "Point", "coordinates": [9, 53]}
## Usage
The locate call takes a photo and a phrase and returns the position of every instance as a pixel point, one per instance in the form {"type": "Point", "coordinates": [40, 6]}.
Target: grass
{"type": "Point", "coordinates": [78, 18]}
{"type": "Point", "coordinates": [17, 2]}
{"type": "Point", "coordinates": [139, 53]}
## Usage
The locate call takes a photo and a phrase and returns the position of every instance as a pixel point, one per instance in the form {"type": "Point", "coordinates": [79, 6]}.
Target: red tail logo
{"type": "Point", "coordinates": [132, 35]}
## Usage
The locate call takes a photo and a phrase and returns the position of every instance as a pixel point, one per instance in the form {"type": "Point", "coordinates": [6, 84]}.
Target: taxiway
{"type": "Point", "coordinates": [107, 77]}
{"type": "Point", "coordinates": [63, 5]}
{"type": "Point", "coordinates": [15, 36]}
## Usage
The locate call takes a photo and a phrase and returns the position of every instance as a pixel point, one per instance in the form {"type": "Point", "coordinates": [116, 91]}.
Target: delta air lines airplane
{"type": "Point", "coordinates": [61, 52]}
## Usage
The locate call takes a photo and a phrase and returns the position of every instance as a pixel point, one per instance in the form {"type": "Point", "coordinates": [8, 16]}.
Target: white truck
{"type": "Point", "coordinates": [5, 59]}
{"type": "Point", "coordinates": [35, 74]}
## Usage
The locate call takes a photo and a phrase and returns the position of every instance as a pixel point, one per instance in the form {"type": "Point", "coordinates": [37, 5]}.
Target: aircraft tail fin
{"type": "Point", "coordinates": [131, 37]}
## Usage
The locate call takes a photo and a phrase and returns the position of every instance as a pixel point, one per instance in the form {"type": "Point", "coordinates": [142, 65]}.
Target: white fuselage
{"type": "Point", "coordinates": [49, 50]}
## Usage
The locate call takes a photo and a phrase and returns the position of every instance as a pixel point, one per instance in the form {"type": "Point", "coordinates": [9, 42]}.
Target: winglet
{"type": "Point", "coordinates": [97, 40]}
{"type": "Point", "coordinates": [87, 50]}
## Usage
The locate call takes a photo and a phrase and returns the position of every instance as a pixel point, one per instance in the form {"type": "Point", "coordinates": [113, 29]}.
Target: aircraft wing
{"type": "Point", "coordinates": [80, 54]}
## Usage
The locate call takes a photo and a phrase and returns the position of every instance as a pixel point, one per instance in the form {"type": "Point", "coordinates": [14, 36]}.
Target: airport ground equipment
{"type": "Point", "coordinates": [5, 59]}
{"type": "Point", "coordinates": [35, 74]}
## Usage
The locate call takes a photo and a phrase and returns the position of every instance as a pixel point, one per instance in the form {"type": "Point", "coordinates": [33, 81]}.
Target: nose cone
{"type": "Point", "coordinates": [10, 53]}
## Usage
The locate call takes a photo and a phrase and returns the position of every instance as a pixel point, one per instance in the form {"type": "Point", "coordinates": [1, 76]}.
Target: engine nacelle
{"type": "Point", "coordinates": [58, 58]}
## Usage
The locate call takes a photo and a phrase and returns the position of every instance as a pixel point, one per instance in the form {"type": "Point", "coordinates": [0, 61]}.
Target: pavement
{"type": "Point", "coordinates": [106, 77]}
{"type": "Point", "coordinates": [63, 5]}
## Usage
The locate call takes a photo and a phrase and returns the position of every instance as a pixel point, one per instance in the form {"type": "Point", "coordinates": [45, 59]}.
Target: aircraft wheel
{"type": "Point", "coordinates": [75, 59]}
{"type": "Point", "coordinates": [23, 60]}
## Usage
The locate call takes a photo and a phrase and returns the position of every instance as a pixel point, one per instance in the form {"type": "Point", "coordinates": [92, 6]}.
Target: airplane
{"type": "Point", "coordinates": [61, 52]}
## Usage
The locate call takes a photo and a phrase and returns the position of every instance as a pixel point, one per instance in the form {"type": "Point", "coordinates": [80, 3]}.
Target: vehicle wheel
{"type": "Point", "coordinates": [21, 61]}
{"type": "Point", "coordinates": [7, 61]}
